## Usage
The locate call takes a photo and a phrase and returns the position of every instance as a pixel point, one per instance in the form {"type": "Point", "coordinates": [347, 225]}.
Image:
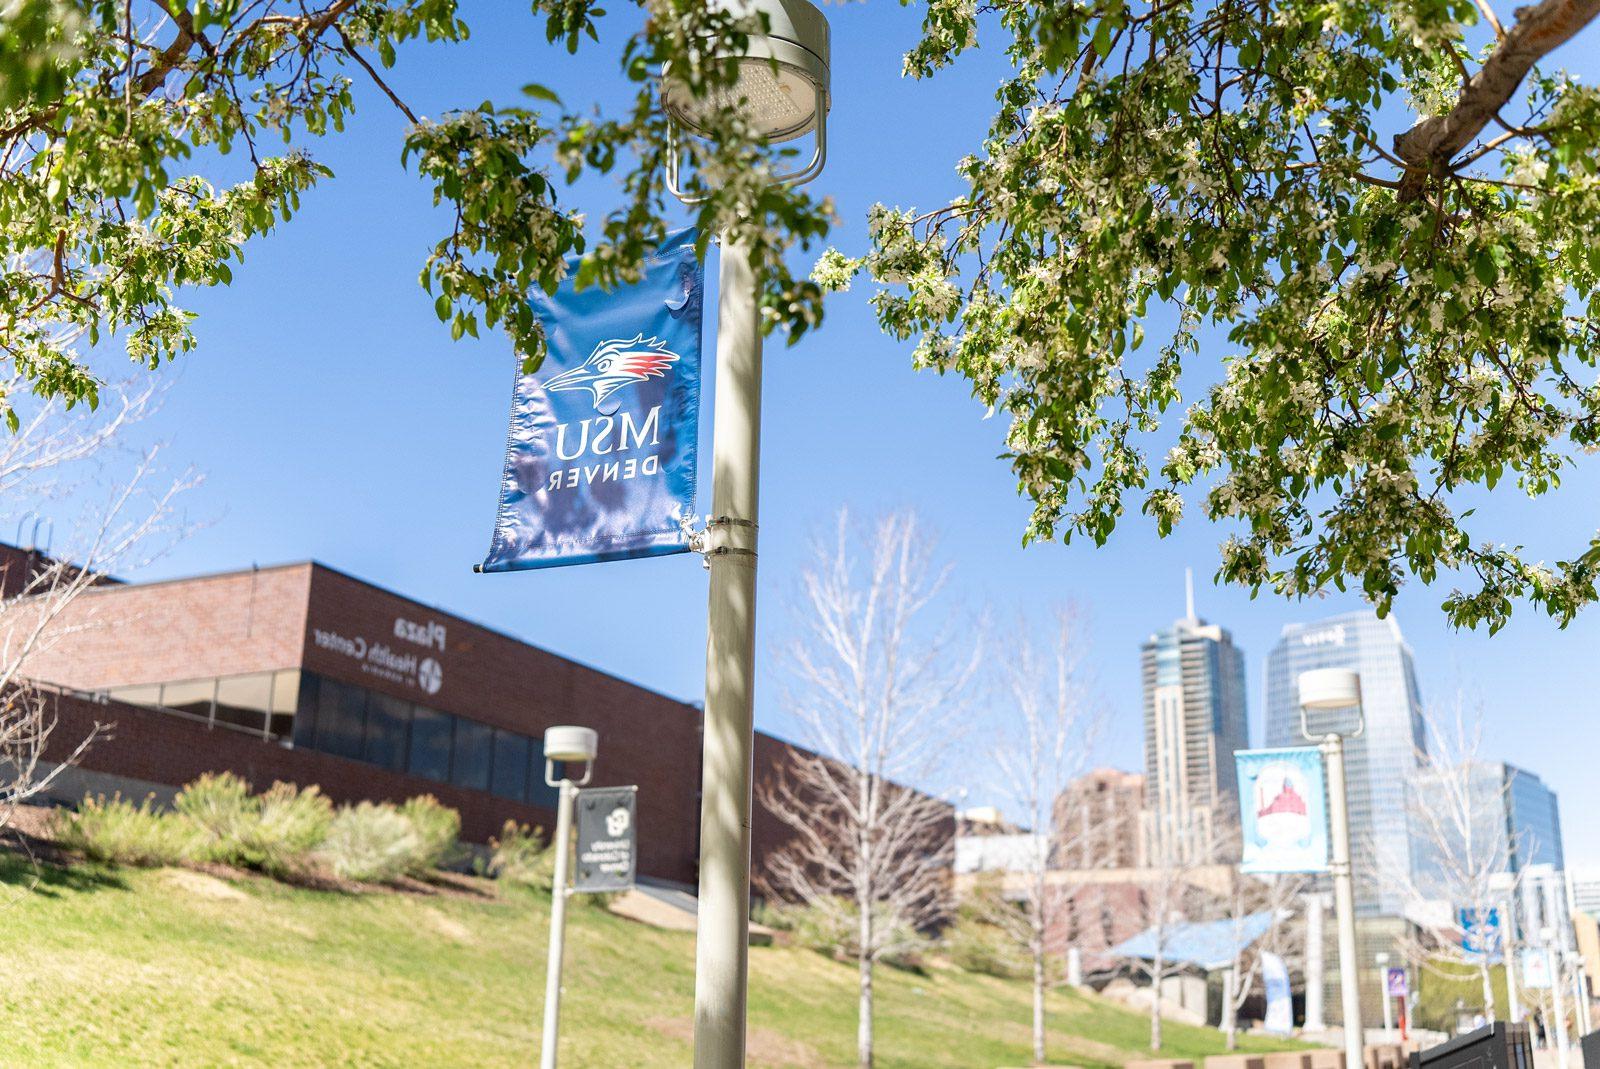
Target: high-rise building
{"type": "Point", "coordinates": [1382, 761]}
{"type": "Point", "coordinates": [1586, 889]}
{"type": "Point", "coordinates": [1194, 718]}
{"type": "Point", "coordinates": [1097, 821]}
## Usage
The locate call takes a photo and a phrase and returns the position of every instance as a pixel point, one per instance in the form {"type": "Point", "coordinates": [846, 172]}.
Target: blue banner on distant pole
{"type": "Point", "coordinates": [1480, 933]}
{"type": "Point", "coordinates": [1283, 810]}
{"type": "Point", "coordinates": [600, 461]}
{"type": "Point", "coordinates": [1280, 1003]}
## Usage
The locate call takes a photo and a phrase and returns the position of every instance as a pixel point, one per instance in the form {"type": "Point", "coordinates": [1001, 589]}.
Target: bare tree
{"type": "Point", "coordinates": [1171, 900]}
{"type": "Point", "coordinates": [1275, 895]}
{"type": "Point", "coordinates": [878, 689]}
{"type": "Point", "coordinates": [119, 511]}
{"type": "Point", "coordinates": [1461, 874]}
{"type": "Point", "coordinates": [1050, 744]}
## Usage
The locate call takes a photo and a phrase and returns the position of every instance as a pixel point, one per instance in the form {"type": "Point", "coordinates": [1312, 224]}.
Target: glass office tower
{"type": "Point", "coordinates": [1194, 718]}
{"type": "Point", "coordinates": [1383, 760]}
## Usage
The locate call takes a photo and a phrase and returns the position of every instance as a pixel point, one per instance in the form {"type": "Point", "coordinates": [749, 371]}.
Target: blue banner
{"type": "Point", "coordinates": [600, 462]}
{"type": "Point", "coordinates": [1283, 810]}
{"type": "Point", "coordinates": [1280, 1002]}
{"type": "Point", "coordinates": [1480, 932]}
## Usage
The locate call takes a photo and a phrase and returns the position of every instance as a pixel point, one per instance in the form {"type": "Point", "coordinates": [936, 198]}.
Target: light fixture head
{"type": "Point", "coordinates": [783, 76]}
{"type": "Point", "coordinates": [570, 743]}
{"type": "Point", "coordinates": [1330, 688]}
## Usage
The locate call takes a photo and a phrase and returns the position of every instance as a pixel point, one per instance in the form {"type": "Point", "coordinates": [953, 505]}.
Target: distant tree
{"type": "Point", "coordinates": [125, 514]}
{"type": "Point", "coordinates": [117, 116]}
{"type": "Point", "coordinates": [1054, 725]}
{"type": "Point", "coordinates": [1459, 879]}
{"type": "Point", "coordinates": [1276, 895]}
{"type": "Point", "coordinates": [878, 687]}
{"type": "Point", "coordinates": [1373, 230]}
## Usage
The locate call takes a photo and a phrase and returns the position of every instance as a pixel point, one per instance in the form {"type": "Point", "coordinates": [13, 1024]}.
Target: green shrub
{"type": "Point", "coordinates": [438, 827]}
{"type": "Point", "coordinates": [977, 946]}
{"type": "Point", "coordinates": [117, 832]}
{"type": "Point", "coordinates": [221, 807]}
{"type": "Point", "coordinates": [372, 843]}
{"type": "Point", "coordinates": [522, 856]}
{"type": "Point", "coordinates": [275, 832]}
{"type": "Point", "coordinates": [290, 823]}
{"type": "Point", "coordinates": [830, 928]}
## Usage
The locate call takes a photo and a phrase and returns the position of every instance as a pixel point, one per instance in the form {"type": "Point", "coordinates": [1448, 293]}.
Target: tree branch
{"type": "Point", "coordinates": [1428, 147]}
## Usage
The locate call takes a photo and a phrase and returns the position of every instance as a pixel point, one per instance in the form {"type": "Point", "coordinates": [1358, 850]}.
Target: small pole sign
{"type": "Point", "coordinates": [1394, 983]}
{"type": "Point", "coordinates": [607, 837]}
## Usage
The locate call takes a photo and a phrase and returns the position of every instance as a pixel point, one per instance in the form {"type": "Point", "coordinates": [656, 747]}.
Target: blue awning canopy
{"type": "Point", "coordinates": [1209, 946]}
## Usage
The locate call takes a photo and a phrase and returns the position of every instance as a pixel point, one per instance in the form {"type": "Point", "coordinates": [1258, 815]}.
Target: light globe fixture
{"type": "Point", "coordinates": [570, 743]}
{"type": "Point", "coordinates": [782, 88]}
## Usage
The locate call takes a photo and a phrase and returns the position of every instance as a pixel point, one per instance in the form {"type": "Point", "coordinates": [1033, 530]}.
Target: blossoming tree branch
{"type": "Point", "coordinates": [1373, 224]}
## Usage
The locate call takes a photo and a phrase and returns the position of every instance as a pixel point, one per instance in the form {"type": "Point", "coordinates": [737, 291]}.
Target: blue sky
{"type": "Point", "coordinates": [335, 420]}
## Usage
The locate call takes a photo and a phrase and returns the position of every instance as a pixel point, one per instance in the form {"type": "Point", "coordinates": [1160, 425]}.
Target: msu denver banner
{"type": "Point", "coordinates": [1283, 812]}
{"type": "Point", "coordinates": [600, 463]}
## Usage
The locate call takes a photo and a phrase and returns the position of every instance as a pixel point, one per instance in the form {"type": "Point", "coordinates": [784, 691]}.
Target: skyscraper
{"type": "Point", "coordinates": [1382, 760]}
{"type": "Point", "coordinates": [1194, 718]}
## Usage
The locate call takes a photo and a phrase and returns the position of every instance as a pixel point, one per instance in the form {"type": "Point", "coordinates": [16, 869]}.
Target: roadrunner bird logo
{"type": "Point", "coordinates": [616, 363]}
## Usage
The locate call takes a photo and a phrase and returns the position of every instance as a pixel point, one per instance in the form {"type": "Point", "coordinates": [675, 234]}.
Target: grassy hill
{"type": "Point", "coordinates": [173, 967]}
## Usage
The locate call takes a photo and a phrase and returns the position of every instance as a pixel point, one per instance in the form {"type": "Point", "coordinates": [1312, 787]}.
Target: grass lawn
{"type": "Point", "coordinates": [172, 967]}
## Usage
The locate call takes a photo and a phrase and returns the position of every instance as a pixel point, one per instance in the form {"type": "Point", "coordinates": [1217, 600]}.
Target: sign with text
{"type": "Point", "coordinates": [607, 838]}
{"type": "Point", "coordinates": [1283, 811]}
{"type": "Point", "coordinates": [600, 460]}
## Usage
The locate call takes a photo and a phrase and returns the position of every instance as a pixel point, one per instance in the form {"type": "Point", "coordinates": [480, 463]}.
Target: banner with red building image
{"type": "Point", "coordinates": [1283, 810]}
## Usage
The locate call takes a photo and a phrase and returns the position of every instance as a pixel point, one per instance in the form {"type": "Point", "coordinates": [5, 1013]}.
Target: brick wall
{"type": "Point", "coordinates": [187, 629]}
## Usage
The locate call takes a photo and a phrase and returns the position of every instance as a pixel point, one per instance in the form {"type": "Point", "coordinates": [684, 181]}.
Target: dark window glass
{"type": "Point", "coordinates": [539, 792]}
{"type": "Point", "coordinates": [469, 766]}
{"type": "Point", "coordinates": [341, 719]}
{"type": "Point", "coordinates": [305, 717]}
{"type": "Point", "coordinates": [193, 697]}
{"type": "Point", "coordinates": [510, 778]}
{"type": "Point", "coordinates": [430, 744]}
{"type": "Point", "coordinates": [243, 701]}
{"type": "Point", "coordinates": [388, 720]}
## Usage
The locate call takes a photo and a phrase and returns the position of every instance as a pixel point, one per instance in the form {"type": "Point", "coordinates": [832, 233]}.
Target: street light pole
{"type": "Point", "coordinates": [722, 945]}
{"type": "Point", "coordinates": [568, 745]}
{"type": "Point", "coordinates": [782, 89]}
{"type": "Point", "coordinates": [1339, 688]}
{"type": "Point", "coordinates": [1383, 992]}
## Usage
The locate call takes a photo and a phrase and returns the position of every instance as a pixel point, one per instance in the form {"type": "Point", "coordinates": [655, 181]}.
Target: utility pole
{"type": "Point", "coordinates": [1329, 689]}
{"type": "Point", "coordinates": [722, 945]}
{"type": "Point", "coordinates": [777, 68]}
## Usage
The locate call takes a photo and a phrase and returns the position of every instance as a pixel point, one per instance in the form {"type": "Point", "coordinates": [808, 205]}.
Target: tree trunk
{"type": "Point", "coordinates": [1488, 988]}
{"type": "Point", "coordinates": [1230, 1011]}
{"type": "Point", "coordinates": [1038, 1000]}
{"type": "Point", "coordinates": [1155, 1002]}
{"type": "Point", "coordinates": [864, 963]}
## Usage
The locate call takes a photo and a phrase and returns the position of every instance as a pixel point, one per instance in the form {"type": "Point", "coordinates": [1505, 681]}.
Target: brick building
{"type": "Point", "coordinates": [305, 674]}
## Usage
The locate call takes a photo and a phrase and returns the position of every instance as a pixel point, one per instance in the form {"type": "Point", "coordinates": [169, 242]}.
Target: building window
{"type": "Point", "coordinates": [286, 687]}
{"type": "Point", "coordinates": [510, 776]}
{"type": "Point", "coordinates": [469, 765]}
{"type": "Point", "coordinates": [341, 719]}
{"type": "Point", "coordinates": [147, 694]}
{"type": "Point", "coordinates": [243, 701]}
{"type": "Point", "coordinates": [193, 697]}
{"type": "Point", "coordinates": [388, 724]}
{"type": "Point", "coordinates": [430, 744]}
